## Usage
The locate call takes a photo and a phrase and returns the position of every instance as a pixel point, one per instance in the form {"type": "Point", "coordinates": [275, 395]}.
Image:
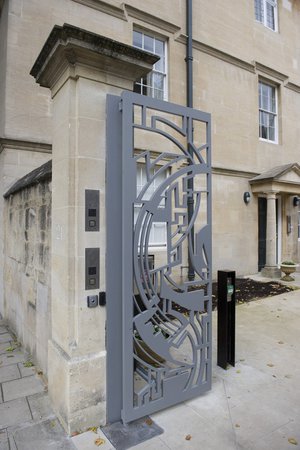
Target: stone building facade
{"type": "Point", "coordinates": [246, 67]}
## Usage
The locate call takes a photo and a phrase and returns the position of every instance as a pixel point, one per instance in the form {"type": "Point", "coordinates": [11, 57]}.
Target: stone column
{"type": "Point", "coordinates": [80, 68]}
{"type": "Point", "coordinates": [271, 270]}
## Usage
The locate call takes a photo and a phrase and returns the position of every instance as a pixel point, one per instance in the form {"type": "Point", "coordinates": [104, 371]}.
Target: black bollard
{"type": "Point", "coordinates": [226, 318]}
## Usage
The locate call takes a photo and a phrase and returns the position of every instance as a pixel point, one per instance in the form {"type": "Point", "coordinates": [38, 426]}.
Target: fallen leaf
{"type": "Point", "coordinates": [75, 433]}
{"type": "Point", "coordinates": [93, 429]}
{"type": "Point", "coordinates": [149, 421]}
{"type": "Point", "coordinates": [237, 425]}
{"type": "Point", "coordinates": [288, 376]}
{"type": "Point", "coordinates": [10, 349]}
{"type": "Point", "coordinates": [280, 342]}
{"type": "Point", "coordinates": [292, 441]}
{"type": "Point", "coordinates": [242, 360]}
{"type": "Point", "coordinates": [270, 365]}
{"type": "Point", "coordinates": [99, 442]}
{"type": "Point", "coordinates": [238, 371]}
{"type": "Point", "coordinates": [188, 437]}
{"type": "Point", "coordinates": [52, 423]}
{"type": "Point", "coordinates": [10, 356]}
{"type": "Point", "coordinates": [40, 372]}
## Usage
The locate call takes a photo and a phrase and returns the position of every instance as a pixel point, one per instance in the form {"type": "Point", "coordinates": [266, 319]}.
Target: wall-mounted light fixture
{"type": "Point", "coordinates": [247, 197]}
{"type": "Point", "coordinates": [296, 201]}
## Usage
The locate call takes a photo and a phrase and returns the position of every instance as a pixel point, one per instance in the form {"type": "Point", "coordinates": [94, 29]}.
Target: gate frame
{"type": "Point", "coordinates": [116, 125]}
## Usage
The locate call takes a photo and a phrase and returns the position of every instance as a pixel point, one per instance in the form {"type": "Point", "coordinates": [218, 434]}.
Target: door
{"type": "Point", "coordinates": [158, 304]}
{"type": "Point", "coordinates": [262, 232]}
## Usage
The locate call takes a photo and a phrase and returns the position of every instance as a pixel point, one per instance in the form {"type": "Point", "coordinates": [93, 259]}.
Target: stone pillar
{"type": "Point", "coordinates": [80, 68]}
{"type": "Point", "coordinates": [271, 270]}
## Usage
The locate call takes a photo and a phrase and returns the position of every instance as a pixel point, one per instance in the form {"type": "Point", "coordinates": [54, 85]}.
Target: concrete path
{"type": "Point", "coordinates": [252, 406]}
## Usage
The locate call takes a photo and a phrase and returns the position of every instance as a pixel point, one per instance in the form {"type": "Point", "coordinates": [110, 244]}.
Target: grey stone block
{"type": "Point", "coordinates": [47, 435]}
{"type": "Point", "coordinates": [40, 407]}
{"type": "Point", "coordinates": [3, 329]}
{"type": "Point", "coordinates": [14, 412]}
{"type": "Point", "coordinates": [22, 388]}
{"type": "Point", "coordinates": [8, 373]}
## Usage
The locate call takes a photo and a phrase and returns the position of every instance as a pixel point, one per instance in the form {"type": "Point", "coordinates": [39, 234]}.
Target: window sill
{"type": "Point", "coordinates": [265, 26]}
{"type": "Point", "coordinates": [268, 142]}
{"type": "Point", "coordinates": [157, 247]}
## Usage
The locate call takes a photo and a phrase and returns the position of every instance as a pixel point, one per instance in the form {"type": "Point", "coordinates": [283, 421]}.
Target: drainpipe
{"type": "Point", "coordinates": [189, 101]}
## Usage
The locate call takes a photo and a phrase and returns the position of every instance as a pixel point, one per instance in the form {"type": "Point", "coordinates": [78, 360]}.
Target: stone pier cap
{"type": "Point", "coordinates": [70, 46]}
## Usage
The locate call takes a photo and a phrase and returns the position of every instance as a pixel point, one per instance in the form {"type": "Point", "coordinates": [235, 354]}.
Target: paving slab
{"type": "Point", "coordinates": [4, 445]}
{"type": "Point", "coordinates": [86, 441]}
{"type": "Point", "coordinates": [22, 388]}
{"type": "Point", "coordinates": [8, 373]}
{"type": "Point", "coordinates": [40, 407]}
{"type": "Point", "coordinates": [15, 357]}
{"type": "Point", "coordinates": [14, 412]}
{"type": "Point", "coordinates": [5, 337]}
{"type": "Point", "coordinates": [3, 329]}
{"type": "Point", "coordinates": [26, 371]}
{"type": "Point", "coordinates": [47, 435]}
{"type": "Point", "coordinates": [4, 346]}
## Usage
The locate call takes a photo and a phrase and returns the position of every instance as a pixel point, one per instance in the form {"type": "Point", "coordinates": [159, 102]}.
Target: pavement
{"type": "Point", "coordinates": [252, 406]}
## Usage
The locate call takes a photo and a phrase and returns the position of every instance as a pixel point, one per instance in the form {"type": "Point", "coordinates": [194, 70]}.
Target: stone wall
{"type": "Point", "coordinates": [27, 276]}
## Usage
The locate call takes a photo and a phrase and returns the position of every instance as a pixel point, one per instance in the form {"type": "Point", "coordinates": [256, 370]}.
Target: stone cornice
{"type": "Point", "coordinates": [219, 54]}
{"type": "Point", "coordinates": [29, 146]}
{"type": "Point", "coordinates": [112, 8]}
{"type": "Point", "coordinates": [69, 46]}
{"type": "Point", "coordinates": [151, 20]}
{"type": "Point", "coordinates": [270, 72]}
{"type": "Point", "coordinates": [293, 87]}
{"type": "Point", "coordinates": [233, 172]}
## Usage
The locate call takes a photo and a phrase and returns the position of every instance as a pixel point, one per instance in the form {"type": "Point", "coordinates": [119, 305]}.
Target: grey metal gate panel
{"type": "Point", "coordinates": [165, 330]}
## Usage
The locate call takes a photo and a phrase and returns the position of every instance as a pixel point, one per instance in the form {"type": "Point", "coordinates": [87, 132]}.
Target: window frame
{"type": "Point", "coordinates": [269, 112]}
{"type": "Point", "coordinates": [263, 7]}
{"type": "Point", "coordinates": [149, 85]}
{"type": "Point", "coordinates": [299, 225]}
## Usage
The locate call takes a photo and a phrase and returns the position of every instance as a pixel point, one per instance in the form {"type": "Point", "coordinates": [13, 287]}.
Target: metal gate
{"type": "Point", "coordinates": [158, 266]}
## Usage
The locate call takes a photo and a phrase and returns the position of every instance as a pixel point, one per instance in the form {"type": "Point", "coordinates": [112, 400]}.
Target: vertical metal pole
{"type": "Point", "coordinates": [189, 101]}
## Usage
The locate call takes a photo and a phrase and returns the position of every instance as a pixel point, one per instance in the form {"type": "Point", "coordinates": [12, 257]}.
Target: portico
{"type": "Point", "coordinates": [278, 186]}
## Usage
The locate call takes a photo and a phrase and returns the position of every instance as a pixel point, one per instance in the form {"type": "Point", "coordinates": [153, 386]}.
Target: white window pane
{"type": "Point", "coordinates": [160, 65]}
{"type": "Point", "coordinates": [271, 134]}
{"type": "Point", "coordinates": [158, 234]}
{"type": "Point", "coordinates": [137, 39]}
{"type": "Point", "coordinates": [270, 16]}
{"type": "Point", "coordinates": [153, 86]}
{"type": "Point", "coordinates": [259, 10]}
{"type": "Point", "coordinates": [159, 47]}
{"type": "Point", "coordinates": [158, 81]}
{"type": "Point", "coordinates": [149, 43]}
{"type": "Point", "coordinates": [158, 94]}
